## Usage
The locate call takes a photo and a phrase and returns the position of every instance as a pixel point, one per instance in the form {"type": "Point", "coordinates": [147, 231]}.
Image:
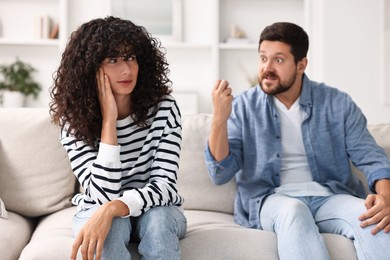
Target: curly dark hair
{"type": "Point", "coordinates": [74, 92]}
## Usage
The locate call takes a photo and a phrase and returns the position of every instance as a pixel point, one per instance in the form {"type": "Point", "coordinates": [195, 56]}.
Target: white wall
{"type": "Point", "coordinates": [347, 47]}
{"type": "Point", "coordinates": [347, 52]}
{"type": "Point", "coordinates": [81, 11]}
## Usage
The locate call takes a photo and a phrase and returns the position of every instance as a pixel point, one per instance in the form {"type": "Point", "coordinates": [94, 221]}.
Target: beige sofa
{"type": "Point", "coordinates": [36, 185]}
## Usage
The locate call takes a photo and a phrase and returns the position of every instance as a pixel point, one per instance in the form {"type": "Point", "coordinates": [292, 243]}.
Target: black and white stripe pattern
{"type": "Point", "coordinates": [141, 171]}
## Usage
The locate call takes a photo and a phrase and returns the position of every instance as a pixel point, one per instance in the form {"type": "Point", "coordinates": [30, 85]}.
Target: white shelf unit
{"type": "Point", "coordinates": [195, 63]}
{"type": "Point", "coordinates": [203, 56]}
{"type": "Point", "coordinates": [213, 58]}
{"type": "Point", "coordinates": [29, 42]}
{"type": "Point", "coordinates": [18, 38]}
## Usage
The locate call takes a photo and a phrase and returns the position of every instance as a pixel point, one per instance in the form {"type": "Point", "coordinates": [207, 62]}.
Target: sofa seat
{"type": "Point", "coordinates": [36, 185]}
{"type": "Point", "coordinates": [210, 235]}
{"type": "Point", "coordinates": [15, 233]}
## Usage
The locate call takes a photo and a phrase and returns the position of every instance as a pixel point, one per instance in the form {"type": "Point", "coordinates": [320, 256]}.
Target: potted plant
{"type": "Point", "coordinates": [17, 83]}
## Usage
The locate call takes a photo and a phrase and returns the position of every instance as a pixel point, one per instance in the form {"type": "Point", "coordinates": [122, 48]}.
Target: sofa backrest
{"type": "Point", "coordinates": [36, 179]}
{"type": "Point", "coordinates": [35, 175]}
{"type": "Point", "coordinates": [194, 182]}
{"type": "Point", "coordinates": [381, 134]}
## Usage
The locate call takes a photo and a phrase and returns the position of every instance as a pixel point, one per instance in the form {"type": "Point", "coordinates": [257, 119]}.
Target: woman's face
{"type": "Point", "coordinates": [122, 73]}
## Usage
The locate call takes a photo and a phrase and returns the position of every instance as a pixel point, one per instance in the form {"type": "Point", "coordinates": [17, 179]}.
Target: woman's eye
{"type": "Point", "coordinates": [112, 60]}
{"type": "Point", "coordinates": [129, 58]}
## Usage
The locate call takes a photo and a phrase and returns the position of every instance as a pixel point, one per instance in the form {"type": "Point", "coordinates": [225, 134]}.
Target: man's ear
{"type": "Point", "coordinates": [302, 64]}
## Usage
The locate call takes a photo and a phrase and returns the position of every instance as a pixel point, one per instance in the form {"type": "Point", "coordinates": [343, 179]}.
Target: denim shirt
{"type": "Point", "coordinates": [334, 133]}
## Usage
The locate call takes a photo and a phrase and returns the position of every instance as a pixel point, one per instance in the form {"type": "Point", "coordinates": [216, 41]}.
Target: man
{"type": "Point", "coordinates": [289, 143]}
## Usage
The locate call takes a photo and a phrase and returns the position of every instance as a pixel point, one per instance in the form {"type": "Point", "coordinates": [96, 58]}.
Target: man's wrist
{"type": "Point", "coordinates": [383, 187]}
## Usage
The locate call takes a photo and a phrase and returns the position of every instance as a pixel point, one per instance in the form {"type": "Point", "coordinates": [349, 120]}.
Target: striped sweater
{"type": "Point", "coordinates": [141, 170]}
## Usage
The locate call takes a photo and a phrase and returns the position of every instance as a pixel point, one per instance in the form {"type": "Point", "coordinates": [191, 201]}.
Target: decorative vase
{"type": "Point", "coordinates": [13, 99]}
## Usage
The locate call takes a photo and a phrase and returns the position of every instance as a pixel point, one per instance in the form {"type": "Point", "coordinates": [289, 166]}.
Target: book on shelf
{"type": "Point", "coordinates": [45, 28]}
{"type": "Point", "coordinates": [54, 31]}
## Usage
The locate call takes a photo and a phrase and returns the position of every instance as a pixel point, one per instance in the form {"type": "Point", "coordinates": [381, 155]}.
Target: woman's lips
{"type": "Point", "coordinates": [124, 81]}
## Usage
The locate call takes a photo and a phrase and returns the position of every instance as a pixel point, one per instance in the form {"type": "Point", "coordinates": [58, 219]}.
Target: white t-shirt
{"type": "Point", "coordinates": [295, 175]}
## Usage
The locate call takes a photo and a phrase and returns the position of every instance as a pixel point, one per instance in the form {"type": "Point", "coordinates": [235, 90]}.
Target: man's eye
{"type": "Point", "coordinates": [279, 60]}
{"type": "Point", "coordinates": [263, 59]}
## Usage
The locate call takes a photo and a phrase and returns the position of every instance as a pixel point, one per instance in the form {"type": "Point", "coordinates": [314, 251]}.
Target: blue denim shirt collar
{"type": "Point", "coordinates": [306, 95]}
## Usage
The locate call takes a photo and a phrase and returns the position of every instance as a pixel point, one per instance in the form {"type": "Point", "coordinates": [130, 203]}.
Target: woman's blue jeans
{"type": "Point", "coordinates": [299, 221]}
{"type": "Point", "coordinates": [158, 232]}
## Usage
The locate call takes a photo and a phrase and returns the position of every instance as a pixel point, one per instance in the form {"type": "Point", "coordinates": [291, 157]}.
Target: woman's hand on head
{"type": "Point", "coordinates": [106, 98]}
{"type": "Point", "coordinates": [108, 107]}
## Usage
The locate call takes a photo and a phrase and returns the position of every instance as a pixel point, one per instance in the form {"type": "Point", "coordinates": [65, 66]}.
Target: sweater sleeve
{"type": "Point", "coordinates": [161, 188]}
{"type": "Point", "coordinates": [99, 171]}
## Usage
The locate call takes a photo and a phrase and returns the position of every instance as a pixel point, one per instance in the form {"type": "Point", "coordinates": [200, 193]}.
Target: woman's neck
{"type": "Point", "coordinates": [123, 104]}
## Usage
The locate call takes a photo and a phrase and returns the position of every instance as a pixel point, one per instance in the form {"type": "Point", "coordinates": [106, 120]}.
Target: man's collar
{"type": "Point", "coordinates": [305, 97]}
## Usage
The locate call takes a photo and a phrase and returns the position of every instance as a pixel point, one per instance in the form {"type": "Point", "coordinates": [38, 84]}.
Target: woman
{"type": "Point", "coordinates": [122, 132]}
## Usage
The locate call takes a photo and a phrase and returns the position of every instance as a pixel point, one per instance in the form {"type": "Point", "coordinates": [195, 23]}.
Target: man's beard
{"type": "Point", "coordinates": [282, 87]}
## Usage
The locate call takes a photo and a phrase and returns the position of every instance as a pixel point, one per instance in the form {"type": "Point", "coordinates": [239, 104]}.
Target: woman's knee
{"type": "Point", "coordinates": [120, 229]}
{"type": "Point", "coordinates": [160, 220]}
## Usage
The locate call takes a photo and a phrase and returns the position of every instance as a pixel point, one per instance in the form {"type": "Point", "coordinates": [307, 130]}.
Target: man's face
{"type": "Point", "coordinates": [277, 69]}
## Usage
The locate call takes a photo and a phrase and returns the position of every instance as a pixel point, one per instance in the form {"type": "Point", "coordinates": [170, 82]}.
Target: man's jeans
{"type": "Point", "coordinates": [299, 221]}
{"type": "Point", "coordinates": [158, 231]}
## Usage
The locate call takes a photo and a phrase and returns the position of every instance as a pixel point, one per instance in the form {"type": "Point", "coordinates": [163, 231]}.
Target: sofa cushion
{"type": "Point", "coordinates": [381, 133]}
{"type": "Point", "coordinates": [15, 232]}
{"type": "Point", "coordinates": [194, 182]}
{"type": "Point", "coordinates": [220, 238]}
{"type": "Point", "coordinates": [193, 171]}
{"type": "Point", "coordinates": [53, 232]}
{"type": "Point", "coordinates": [219, 243]}
{"type": "Point", "coordinates": [3, 211]}
{"type": "Point", "coordinates": [35, 174]}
